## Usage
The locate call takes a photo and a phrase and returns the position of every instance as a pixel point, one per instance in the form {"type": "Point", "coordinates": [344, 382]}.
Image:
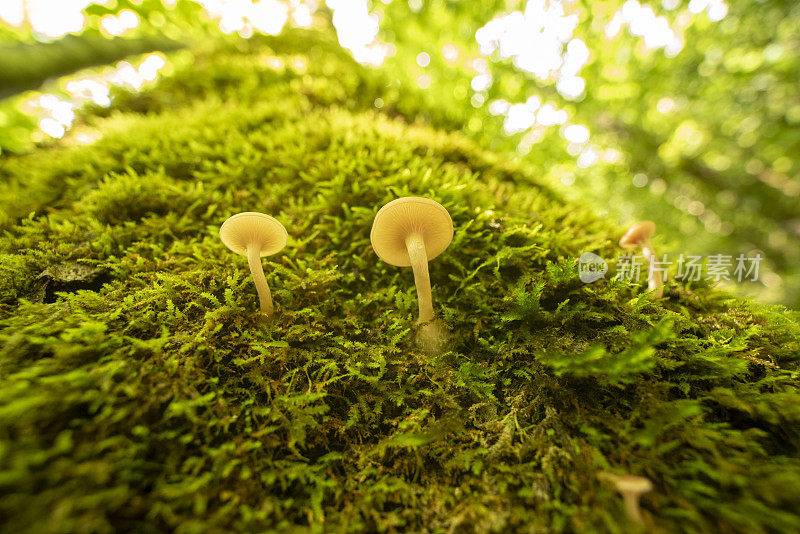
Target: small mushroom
{"type": "Point", "coordinates": [631, 488]}
{"type": "Point", "coordinates": [255, 235]}
{"type": "Point", "coordinates": [638, 235]}
{"type": "Point", "coordinates": [412, 231]}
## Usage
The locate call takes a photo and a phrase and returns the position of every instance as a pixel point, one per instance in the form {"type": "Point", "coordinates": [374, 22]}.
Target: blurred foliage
{"type": "Point", "coordinates": [27, 60]}
{"type": "Point", "coordinates": [710, 135]}
{"type": "Point", "coordinates": [26, 66]}
{"type": "Point", "coordinates": [15, 126]}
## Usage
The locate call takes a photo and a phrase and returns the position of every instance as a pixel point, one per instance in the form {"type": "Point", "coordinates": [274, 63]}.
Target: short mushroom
{"type": "Point", "coordinates": [638, 235]}
{"type": "Point", "coordinates": [412, 231]}
{"type": "Point", "coordinates": [631, 488]}
{"type": "Point", "coordinates": [255, 235]}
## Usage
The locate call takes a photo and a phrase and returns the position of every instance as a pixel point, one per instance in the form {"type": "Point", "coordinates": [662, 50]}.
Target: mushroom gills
{"type": "Point", "coordinates": [411, 231]}
{"type": "Point", "coordinates": [254, 235]}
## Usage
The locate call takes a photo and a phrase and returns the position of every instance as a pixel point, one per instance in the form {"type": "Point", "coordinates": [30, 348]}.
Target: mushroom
{"type": "Point", "coordinates": [255, 235]}
{"type": "Point", "coordinates": [412, 231]}
{"type": "Point", "coordinates": [631, 488]}
{"type": "Point", "coordinates": [638, 235]}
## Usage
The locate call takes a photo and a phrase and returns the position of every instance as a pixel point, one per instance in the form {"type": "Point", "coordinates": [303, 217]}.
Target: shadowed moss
{"type": "Point", "coordinates": [153, 397]}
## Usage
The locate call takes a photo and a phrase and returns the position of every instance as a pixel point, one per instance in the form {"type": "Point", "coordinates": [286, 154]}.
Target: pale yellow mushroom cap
{"type": "Point", "coordinates": [637, 234]}
{"type": "Point", "coordinates": [405, 216]}
{"type": "Point", "coordinates": [632, 484]}
{"type": "Point", "coordinates": [259, 229]}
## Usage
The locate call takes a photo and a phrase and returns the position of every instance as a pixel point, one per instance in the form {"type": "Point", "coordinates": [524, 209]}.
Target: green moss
{"type": "Point", "coordinates": [142, 391]}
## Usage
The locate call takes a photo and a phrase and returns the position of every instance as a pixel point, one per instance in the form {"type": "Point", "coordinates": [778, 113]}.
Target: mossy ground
{"type": "Point", "coordinates": [141, 390]}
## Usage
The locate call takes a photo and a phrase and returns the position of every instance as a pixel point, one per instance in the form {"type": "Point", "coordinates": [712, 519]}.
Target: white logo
{"type": "Point", "coordinates": [591, 267]}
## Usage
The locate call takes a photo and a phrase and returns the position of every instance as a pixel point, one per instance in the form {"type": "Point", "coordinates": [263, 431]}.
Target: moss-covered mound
{"type": "Point", "coordinates": [142, 391]}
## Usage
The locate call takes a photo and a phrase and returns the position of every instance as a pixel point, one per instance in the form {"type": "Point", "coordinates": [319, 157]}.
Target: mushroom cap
{"type": "Point", "coordinates": [404, 216]}
{"type": "Point", "coordinates": [250, 227]}
{"type": "Point", "coordinates": [633, 484]}
{"type": "Point", "coordinates": [637, 234]}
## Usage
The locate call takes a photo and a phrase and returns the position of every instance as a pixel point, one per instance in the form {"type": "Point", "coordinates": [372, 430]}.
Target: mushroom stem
{"type": "Point", "coordinates": [419, 263]}
{"type": "Point", "coordinates": [257, 270]}
{"type": "Point", "coordinates": [631, 500]}
{"type": "Point", "coordinates": [654, 281]}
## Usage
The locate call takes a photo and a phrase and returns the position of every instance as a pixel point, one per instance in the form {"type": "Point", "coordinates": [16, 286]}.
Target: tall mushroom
{"type": "Point", "coordinates": [255, 235]}
{"type": "Point", "coordinates": [638, 235]}
{"type": "Point", "coordinates": [631, 488]}
{"type": "Point", "coordinates": [412, 231]}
